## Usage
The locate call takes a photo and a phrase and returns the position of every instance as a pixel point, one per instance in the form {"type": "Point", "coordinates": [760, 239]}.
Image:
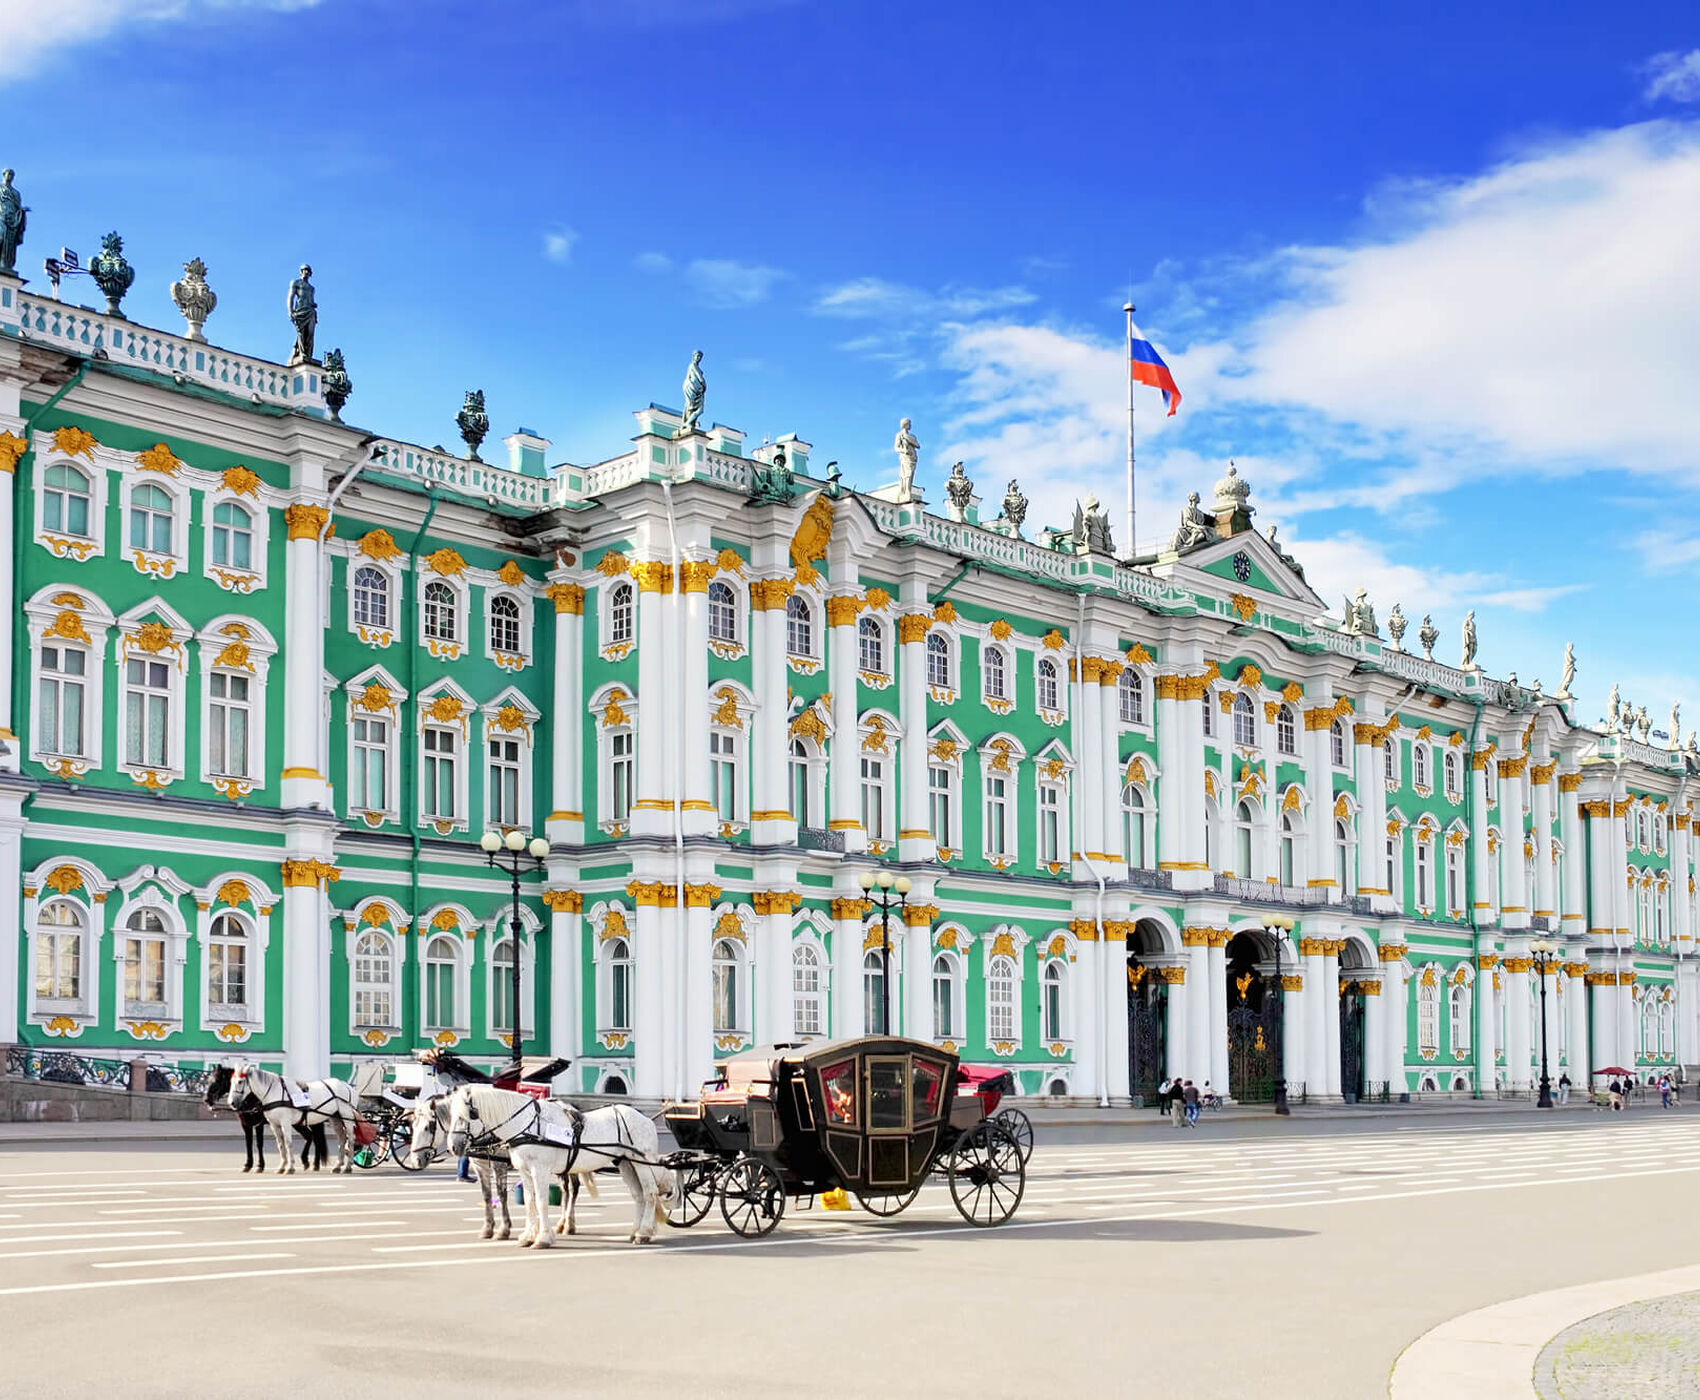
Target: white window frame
{"type": "Point", "coordinates": [808, 956]}
{"type": "Point", "coordinates": [1003, 695]}
{"type": "Point", "coordinates": [957, 992]}
{"type": "Point", "coordinates": [733, 644]}
{"type": "Point", "coordinates": [509, 660]}
{"type": "Point", "coordinates": [1423, 869]}
{"type": "Point", "coordinates": [736, 958]}
{"type": "Point", "coordinates": [464, 752]}
{"type": "Point", "coordinates": [248, 654]}
{"type": "Point", "coordinates": [1013, 963]}
{"type": "Point", "coordinates": [175, 660]}
{"type": "Point", "coordinates": [397, 957]}
{"type": "Point", "coordinates": [807, 616]}
{"type": "Point", "coordinates": [1422, 767]}
{"type": "Point", "coordinates": [877, 625]}
{"type": "Point", "coordinates": [1244, 720]}
{"type": "Point", "coordinates": [811, 762]}
{"type": "Point", "coordinates": [1008, 803]}
{"type": "Point", "coordinates": [872, 968]}
{"type": "Point", "coordinates": [92, 617]}
{"type": "Point", "coordinates": [525, 736]}
{"type": "Point", "coordinates": [154, 891]}
{"type": "Point", "coordinates": [1339, 747]}
{"type": "Point", "coordinates": [353, 692]}
{"type": "Point", "coordinates": [94, 466]}
{"type": "Point", "coordinates": [248, 1011]}
{"type": "Point", "coordinates": [1050, 799]}
{"type": "Point", "coordinates": [726, 752]}
{"type": "Point", "coordinates": [164, 564]}
{"type": "Point", "coordinates": [496, 1007]}
{"type": "Point", "coordinates": [609, 952]}
{"type": "Point", "coordinates": [445, 648]}
{"type": "Point", "coordinates": [605, 735]}
{"type": "Point", "coordinates": [1147, 825]}
{"type": "Point", "coordinates": [1453, 873]}
{"type": "Point", "coordinates": [1059, 710]}
{"type": "Point", "coordinates": [461, 963]}
{"type": "Point", "coordinates": [1451, 774]}
{"type": "Point", "coordinates": [1287, 731]}
{"type": "Point", "coordinates": [230, 577]}
{"type": "Point", "coordinates": [938, 654]}
{"type": "Point", "coordinates": [1132, 681]}
{"type": "Point", "coordinates": [1053, 1031]}
{"type": "Point", "coordinates": [83, 1009]}
{"type": "Point", "coordinates": [1345, 852]}
{"type": "Point", "coordinates": [371, 633]}
{"type": "Point", "coordinates": [1391, 763]}
{"type": "Point", "coordinates": [952, 790]}
{"type": "Point", "coordinates": [611, 647]}
{"type": "Point", "coordinates": [1428, 1013]}
{"type": "Point", "coordinates": [883, 829]}
{"type": "Point", "coordinates": [1460, 1009]}
{"type": "Point", "coordinates": [1291, 853]}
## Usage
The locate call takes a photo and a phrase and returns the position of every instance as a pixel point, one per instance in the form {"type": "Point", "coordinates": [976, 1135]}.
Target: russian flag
{"type": "Point", "coordinates": [1147, 367]}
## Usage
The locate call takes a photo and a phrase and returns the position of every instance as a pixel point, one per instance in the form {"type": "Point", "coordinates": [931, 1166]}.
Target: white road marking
{"type": "Point", "coordinates": [203, 1259]}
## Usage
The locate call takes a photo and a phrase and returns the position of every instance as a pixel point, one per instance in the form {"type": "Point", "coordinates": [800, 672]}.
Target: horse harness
{"type": "Point", "coordinates": [488, 1141]}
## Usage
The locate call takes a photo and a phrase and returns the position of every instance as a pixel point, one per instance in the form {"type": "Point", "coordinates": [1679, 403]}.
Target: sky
{"type": "Point", "coordinates": [1431, 280]}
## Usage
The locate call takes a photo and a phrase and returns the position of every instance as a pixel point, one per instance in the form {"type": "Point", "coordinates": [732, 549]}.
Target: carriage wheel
{"type": "Point", "coordinates": [696, 1196]}
{"type": "Point", "coordinates": [401, 1148]}
{"type": "Point", "coordinates": [1019, 1126]}
{"type": "Point", "coordinates": [374, 1152]}
{"type": "Point", "coordinates": [987, 1175]}
{"type": "Point", "coordinates": [752, 1197]}
{"type": "Point", "coordinates": [887, 1204]}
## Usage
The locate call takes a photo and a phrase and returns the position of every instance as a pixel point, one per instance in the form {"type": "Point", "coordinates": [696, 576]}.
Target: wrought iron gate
{"type": "Point", "coordinates": [1352, 1046]}
{"type": "Point", "coordinates": [1147, 1026]}
{"type": "Point", "coordinates": [1254, 1039]}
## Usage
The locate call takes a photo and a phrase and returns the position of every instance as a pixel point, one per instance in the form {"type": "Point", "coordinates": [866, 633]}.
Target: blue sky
{"type": "Point", "coordinates": [1433, 282]}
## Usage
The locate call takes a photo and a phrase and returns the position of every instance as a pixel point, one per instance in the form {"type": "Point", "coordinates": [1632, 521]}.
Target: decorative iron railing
{"type": "Point", "coordinates": [814, 838]}
{"type": "Point", "coordinates": [63, 1067]}
{"type": "Point", "coordinates": [1262, 892]}
{"type": "Point", "coordinates": [1150, 879]}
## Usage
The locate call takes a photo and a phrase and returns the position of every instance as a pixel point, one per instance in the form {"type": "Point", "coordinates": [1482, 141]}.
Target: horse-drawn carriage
{"type": "Point", "coordinates": [388, 1093]}
{"type": "Point", "coordinates": [874, 1117]}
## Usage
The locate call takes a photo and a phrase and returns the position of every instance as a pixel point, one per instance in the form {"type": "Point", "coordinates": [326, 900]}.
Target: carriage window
{"type": "Point", "coordinates": [887, 1106]}
{"type": "Point", "coordinates": [925, 1091]}
{"type": "Point", "coordinates": [838, 1087]}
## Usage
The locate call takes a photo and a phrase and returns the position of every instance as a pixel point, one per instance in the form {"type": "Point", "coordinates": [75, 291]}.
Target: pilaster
{"type": "Point", "coordinates": [844, 778]}
{"type": "Point", "coordinates": [914, 828]}
{"type": "Point", "coordinates": [657, 718]}
{"type": "Point", "coordinates": [302, 783]}
{"type": "Point", "coordinates": [567, 959]}
{"type": "Point", "coordinates": [13, 438]}
{"type": "Point", "coordinates": [565, 824]}
{"type": "Point", "coordinates": [771, 823]}
{"type": "Point", "coordinates": [849, 909]}
{"type": "Point", "coordinates": [1514, 893]}
{"type": "Point", "coordinates": [1545, 893]}
{"type": "Point", "coordinates": [696, 805]}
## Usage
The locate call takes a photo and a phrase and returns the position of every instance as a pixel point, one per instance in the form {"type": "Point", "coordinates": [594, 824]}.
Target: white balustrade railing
{"type": "Point", "coordinates": [612, 475]}
{"type": "Point", "coordinates": [1421, 669]}
{"type": "Point", "coordinates": [500, 484]}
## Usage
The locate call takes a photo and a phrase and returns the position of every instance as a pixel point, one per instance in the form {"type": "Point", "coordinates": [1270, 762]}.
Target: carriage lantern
{"type": "Point", "coordinates": [513, 846]}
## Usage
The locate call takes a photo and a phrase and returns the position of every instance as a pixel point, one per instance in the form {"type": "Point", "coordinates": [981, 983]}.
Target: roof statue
{"type": "Point", "coordinates": [1396, 626]}
{"type": "Point", "coordinates": [1091, 528]}
{"type": "Point", "coordinates": [834, 480]}
{"type": "Point", "coordinates": [696, 395]}
{"type": "Point", "coordinates": [959, 491]}
{"type": "Point", "coordinates": [1014, 507]}
{"type": "Point", "coordinates": [112, 273]}
{"type": "Point", "coordinates": [14, 217]}
{"type": "Point", "coordinates": [1232, 503]}
{"type": "Point", "coordinates": [1196, 527]}
{"type": "Point", "coordinates": [1360, 616]}
{"type": "Point", "coordinates": [1427, 635]}
{"type": "Point", "coordinates": [772, 482]}
{"type": "Point", "coordinates": [303, 310]}
{"type": "Point", "coordinates": [1469, 662]}
{"type": "Point", "coordinates": [474, 424]}
{"type": "Point", "coordinates": [1568, 679]}
{"type": "Point", "coordinates": [194, 298]}
{"type": "Point", "coordinates": [908, 453]}
{"type": "Point", "coordinates": [1535, 690]}
{"type": "Point", "coordinates": [1614, 709]}
{"type": "Point", "coordinates": [1642, 723]}
{"type": "Point", "coordinates": [336, 383]}
{"type": "Point", "coordinates": [1675, 722]}
{"type": "Point", "coordinates": [1693, 745]}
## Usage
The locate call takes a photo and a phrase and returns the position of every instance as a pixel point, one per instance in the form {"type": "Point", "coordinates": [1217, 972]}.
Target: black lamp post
{"type": "Point", "coordinates": [1278, 926]}
{"type": "Point", "coordinates": [885, 884]}
{"type": "Point", "coordinates": [1544, 954]}
{"type": "Point", "coordinates": [512, 848]}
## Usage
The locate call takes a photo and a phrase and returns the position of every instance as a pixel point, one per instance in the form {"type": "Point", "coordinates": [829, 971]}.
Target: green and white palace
{"type": "Point", "coordinates": [270, 678]}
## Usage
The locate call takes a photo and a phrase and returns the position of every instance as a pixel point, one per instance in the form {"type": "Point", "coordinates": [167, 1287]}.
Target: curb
{"type": "Point", "coordinates": [1490, 1354]}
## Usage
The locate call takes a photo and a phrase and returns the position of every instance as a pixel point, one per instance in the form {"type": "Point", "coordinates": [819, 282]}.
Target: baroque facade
{"type": "Point", "coordinates": [271, 678]}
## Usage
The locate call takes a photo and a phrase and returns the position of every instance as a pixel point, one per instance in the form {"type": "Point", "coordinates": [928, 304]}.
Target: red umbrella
{"type": "Point", "coordinates": [1613, 1069]}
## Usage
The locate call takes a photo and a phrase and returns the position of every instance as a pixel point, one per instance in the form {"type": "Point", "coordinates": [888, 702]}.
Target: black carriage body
{"type": "Point", "coordinates": [870, 1115]}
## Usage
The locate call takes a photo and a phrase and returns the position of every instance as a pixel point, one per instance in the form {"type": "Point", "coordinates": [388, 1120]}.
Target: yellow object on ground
{"type": "Point", "coordinates": [835, 1200]}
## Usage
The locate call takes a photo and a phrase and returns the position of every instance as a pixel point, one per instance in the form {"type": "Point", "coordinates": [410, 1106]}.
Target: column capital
{"type": "Point", "coordinates": [850, 908]}
{"type": "Point", "coordinates": [563, 901]}
{"type": "Point", "coordinates": [310, 873]}
{"type": "Point", "coordinates": [774, 901]}
{"type": "Point", "coordinates": [305, 520]}
{"type": "Point", "coordinates": [567, 598]}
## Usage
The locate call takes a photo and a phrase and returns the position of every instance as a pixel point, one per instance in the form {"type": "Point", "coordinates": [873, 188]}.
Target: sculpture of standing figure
{"type": "Point", "coordinates": [1428, 634]}
{"type": "Point", "coordinates": [1675, 723]}
{"type": "Point", "coordinates": [1564, 681]}
{"type": "Point", "coordinates": [1360, 616]}
{"type": "Point", "coordinates": [1642, 723]}
{"type": "Point", "coordinates": [908, 453]}
{"type": "Point", "coordinates": [1470, 641]}
{"type": "Point", "coordinates": [959, 490]}
{"type": "Point", "coordinates": [1014, 507]}
{"type": "Point", "coordinates": [1091, 528]}
{"type": "Point", "coordinates": [303, 315]}
{"type": "Point", "coordinates": [1396, 625]}
{"type": "Point", "coordinates": [13, 219]}
{"type": "Point", "coordinates": [696, 394]}
{"type": "Point", "coordinates": [1614, 709]}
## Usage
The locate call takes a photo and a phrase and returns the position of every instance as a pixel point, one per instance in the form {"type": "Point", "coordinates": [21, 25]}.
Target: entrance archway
{"type": "Point", "coordinates": [1354, 968]}
{"type": "Point", "coordinates": [1254, 1021]}
{"type": "Point", "coordinates": [1147, 1011]}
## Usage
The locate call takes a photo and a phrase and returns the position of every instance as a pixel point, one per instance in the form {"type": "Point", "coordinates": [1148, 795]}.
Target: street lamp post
{"type": "Point", "coordinates": [1278, 926]}
{"type": "Point", "coordinates": [1544, 953]}
{"type": "Point", "coordinates": [885, 884]}
{"type": "Point", "coordinates": [513, 848]}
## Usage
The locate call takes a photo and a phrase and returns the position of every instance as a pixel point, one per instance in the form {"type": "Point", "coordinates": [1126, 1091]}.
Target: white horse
{"type": "Point", "coordinates": [540, 1138]}
{"type": "Point", "coordinates": [324, 1100]}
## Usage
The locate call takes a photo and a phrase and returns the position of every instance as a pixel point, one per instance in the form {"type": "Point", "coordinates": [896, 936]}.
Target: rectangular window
{"type": "Point", "coordinates": [1424, 901]}
{"type": "Point", "coordinates": [1050, 824]}
{"type": "Point", "coordinates": [147, 713]}
{"type": "Point", "coordinates": [227, 724]}
{"type": "Point", "coordinates": [939, 804]}
{"type": "Point", "coordinates": [438, 787]}
{"type": "Point", "coordinates": [944, 1002]}
{"type": "Point", "coordinates": [873, 798]}
{"type": "Point", "coordinates": [997, 815]}
{"type": "Point", "coordinates": [622, 777]}
{"type": "Point", "coordinates": [144, 971]}
{"type": "Point", "coordinates": [60, 701]}
{"type": "Point", "coordinates": [368, 765]}
{"type": "Point", "coordinates": [723, 774]}
{"type": "Point", "coordinates": [439, 994]}
{"type": "Point", "coordinates": [58, 966]}
{"type": "Point", "coordinates": [504, 782]}
{"type": "Point", "coordinates": [227, 974]}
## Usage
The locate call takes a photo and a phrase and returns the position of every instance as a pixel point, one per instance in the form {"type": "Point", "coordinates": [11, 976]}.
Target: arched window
{"type": "Point", "coordinates": [1344, 866]}
{"type": "Point", "coordinates": [1000, 999]}
{"type": "Point", "coordinates": [1454, 878]}
{"type": "Point", "coordinates": [1212, 833]}
{"type": "Point", "coordinates": [1051, 1000]}
{"type": "Point", "coordinates": [232, 536]}
{"type": "Point", "coordinates": [1460, 1026]}
{"type": "Point", "coordinates": [1659, 834]}
{"type": "Point", "coordinates": [944, 998]}
{"type": "Point", "coordinates": [144, 961]}
{"type": "Point", "coordinates": [1390, 760]}
{"type": "Point", "coordinates": [65, 501]}
{"type": "Point", "coordinates": [371, 597]}
{"type": "Point", "coordinates": [618, 956]}
{"type": "Point", "coordinates": [1242, 840]}
{"type": "Point", "coordinates": [150, 519]}
{"type": "Point", "coordinates": [1245, 721]}
{"type": "Point", "coordinates": [723, 782]}
{"type": "Point", "coordinates": [227, 966]}
{"type": "Point", "coordinates": [1286, 731]}
{"type": "Point", "coordinates": [802, 784]}
{"type": "Point", "coordinates": [1419, 764]}
{"type": "Point", "coordinates": [1053, 848]}
{"type": "Point", "coordinates": [1210, 703]}
{"type": "Point", "coordinates": [1290, 827]}
{"type": "Point", "coordinates": [61, 699]}
{"type": "Point", "coordinates": [1133, 825]}
{"type": "Point", "coordinates": [938, 661]}
{"type": "Point", "coordinates": [504, 624]}
{"type": "Point", "coordinates": [1667, 1029]}
{"type": "Point", "coordinates": [620, 615]}
{"type": "Point", "coordinates": [722, 613]}
{"type": "Point", "coordinates": [1047, 685]}
{"type": "Point", "coordinates": [59, 952]}
{"type": "Point", "coordinates": [727, 992]}
{"type": "Point", "coordinates": [870, 642]}
{"type": "Point", "coordinates": [441, 624]}
{"type": "Point", "coordinates": [442, 966]}
{"type": "Point", "coordinates": [1450, 769]}
{"type": "Point", "coordinates": [806, 996]}
{"type": "Point", "coordinates": [941, 804]}
{"type": "Point", "coordinates": [873, 993]}
{"type": "Point", "coordinates": [799, 627]}
{"type": "Point", "coordinates": [1425, 871]}
{"type": "Point", "coordinates": [374, 963]}
{"type": "Point", "coordinates": [1428, 1015]}
{"type": "Point", "coordinates": [502, 987]}
{"type": "Point", "coordinates": [1337, 743]}
{"type": "Point", "coordinates": [1130, 690]}
{"type": "Point", "coordinates": [995, 671]}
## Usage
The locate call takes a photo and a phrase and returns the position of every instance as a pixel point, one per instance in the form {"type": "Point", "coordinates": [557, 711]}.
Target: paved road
{"type": "Point", "coordinates": [1269, 1259]}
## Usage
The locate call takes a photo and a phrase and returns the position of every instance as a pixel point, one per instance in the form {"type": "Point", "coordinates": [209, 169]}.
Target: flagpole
{"type": "Point", "coordinates": [1132, 548]}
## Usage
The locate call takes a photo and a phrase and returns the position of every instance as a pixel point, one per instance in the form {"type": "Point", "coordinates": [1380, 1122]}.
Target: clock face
{"type": "Point", "coordinates": [1242, 566]}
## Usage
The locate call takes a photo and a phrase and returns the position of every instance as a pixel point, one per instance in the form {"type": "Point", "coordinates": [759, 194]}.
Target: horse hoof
{"type": "Point", "coordinates": [544, 1242]}
{"type": "Point", "coordinates": [248, 1168]}
{"type": "Point", "coordinates": [506, 1234]}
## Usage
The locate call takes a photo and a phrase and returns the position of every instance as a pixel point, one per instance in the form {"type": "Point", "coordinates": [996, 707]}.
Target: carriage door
{"type": "Point", "coordinates": [888, 1120]}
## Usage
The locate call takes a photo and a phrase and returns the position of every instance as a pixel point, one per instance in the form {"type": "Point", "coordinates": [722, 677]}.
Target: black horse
{"type": "Point", "coordinates": [254, 1125]}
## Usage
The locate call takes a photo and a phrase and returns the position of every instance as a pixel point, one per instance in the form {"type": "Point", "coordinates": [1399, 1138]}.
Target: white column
{"type": "Point", "coordinates": [1372, 817]}
{"type": "Point", "coordinates": [1545, 893]}
{"type": "Point", "coordinates": [1629, 1019]}
{"type": "Point", "coordinates": [8, 621]}
{"type": "Point", "coordinates": [1200, 992]}
{"type": "Point", "coordinates": [914, 831]}
{"type": "Point", "coordinates": [914, 1016]}
{"type": "Point", "coordinates": [1316, 1002]}
{"type": "Point", "coordinates": [696, 969]}
{"type": "Point", "coordinates": [1576, 1000]}
{"type": "Point", "coordinates": [303, 784]}
{"type": "Point", "coordinates": [1481, 859]}
{"type": "Point", "coordinates": [1394, 1010]}
{"type": "Point", "coordinates": [1176, 1051]}
{"type": "Point", "coordinates": [658, 692]}
{"type": "Point", "coordinates": [1573, 898]}
{"type": "Point", "coordinates": [1552, 1020]}
{"type": "Point", "coordinates": [1603, 1015]}
{"type": "Point", "coordinates": [1375, 1034]}
{"type": "Point", "coordinates": [1687, 1023]}
{"type": "Point", "coordinates": [306, 1043]}
{"type": "Point", "coordinates": [566, 968]}
{"type": "Point", "coordinates": [1331, 1014]}
{"type": "Point", "coordinates": [695, 805]}
{"type": "Point", "coordinates": [1217, 1074]}
{"type": "Point", "coordinates": [12, 824]}
{"type": "Point", "coordinates": [1109, 976]}
{"type": "Point", "coordinates": [774, 1019]}
{"type": "Point", "coordinates": [1487, 1024]}
{"type": "Point", "coordinates": [651, 1030]}
{"type": "Point", "coordinates": [1110, 790]}
{"type": "Point", "coordinates": [1086, 1003]}
{"type": "Point", "coordinates": [1171, 804]}
{"type": "Point", "coordinates": [565, 825]}
{"type": "Point", "coordinates": [1293, 1031]}
{"type": "Point", "coordinates": [1319, 778]}
{"type": "Point", "coordinates": [844, 780]}
{"type": "Point", "coordinates": [770, 813]}
{"type": "Point", "coordinates": [1514, 893]}
{"type": "Point", "coordinates": [848, 911]}
{"type": "Point", "coordinates": [1517, 1018]}
{"type": "Point", "coordinates": [1087, 833]}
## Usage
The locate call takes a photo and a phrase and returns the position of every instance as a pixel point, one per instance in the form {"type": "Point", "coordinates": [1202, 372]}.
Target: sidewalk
{"type": "Point", "coordinates": [120, 1130]}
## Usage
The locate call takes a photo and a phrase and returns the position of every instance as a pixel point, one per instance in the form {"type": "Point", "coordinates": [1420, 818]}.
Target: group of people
{"type": "Point", "coordinates": [1619, 1090]}
{"type": "Point", "coordinates": [1182, 1099]}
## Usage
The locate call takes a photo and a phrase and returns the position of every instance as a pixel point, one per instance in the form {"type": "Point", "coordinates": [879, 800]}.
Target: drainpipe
{"type": "Point", "coordinates": [1085, 856]}
{"type": "Point", "coordinates": [322, 583]}
{"type": "Point", "coordinates": [681, 1042]}
{"type": "Point", "coordinates": [20, 540]}
{"type": "Point", "coordinates": [1470, 866]}
{"type": "Point", "coordinates": [409, 758]}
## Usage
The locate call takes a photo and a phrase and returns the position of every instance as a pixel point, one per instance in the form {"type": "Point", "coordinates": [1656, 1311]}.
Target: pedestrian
{"type": "Point", "coordinates": [1192, 1104]}
{"type": "Point", "coordinates": [1163, 1096]}
{"type": "Point", "coordinates": [1563, 1089]}
{"type": "Point", "coordinates": [1177, 1104]}
{"type": "Point", "coordinates": [1615, 1089]}
{"type": "Point", "coordinates": [1664, 1091]}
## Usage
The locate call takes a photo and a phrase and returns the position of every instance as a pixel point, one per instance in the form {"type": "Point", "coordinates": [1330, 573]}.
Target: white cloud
{"type": "Point", "coordinates": [1668, 551]}
{"type": "Point", "coordinates": [31, 31]}
{"type": "Point", "coordinates": [653, 262]}
{"type": "Point", "coordinates": [558, 244]}
{"type": "Point", "coordinates": [1673, 76]}
{"type": "Point", "coordinates": [724, 283]}
{"type": "Point", "coordinates": [876, 298]}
